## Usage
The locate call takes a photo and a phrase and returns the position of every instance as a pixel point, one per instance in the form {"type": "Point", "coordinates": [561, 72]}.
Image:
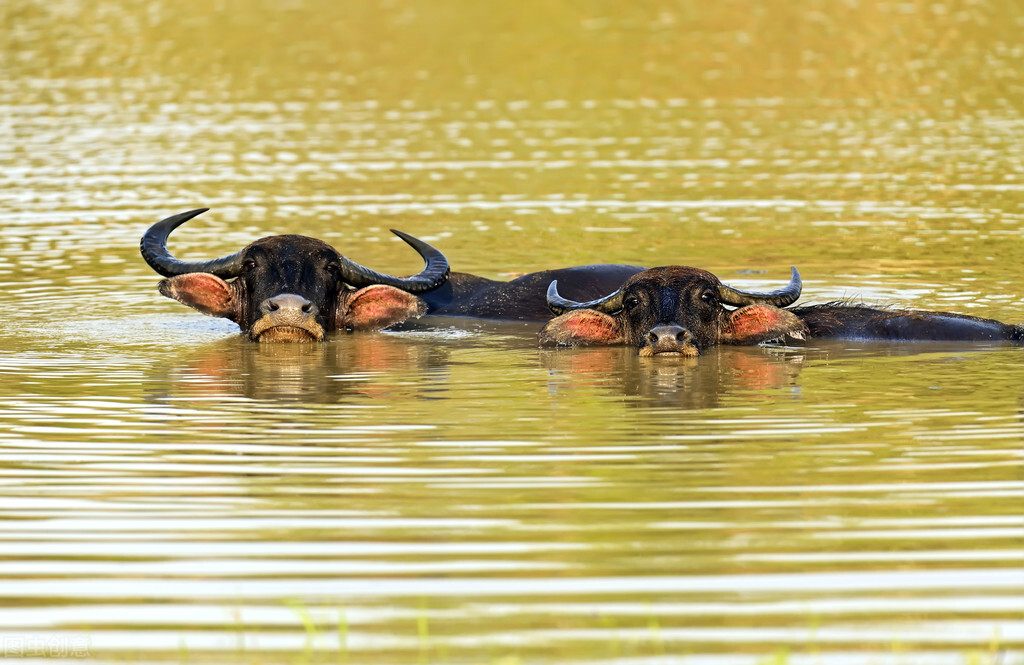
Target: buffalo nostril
{"type": "Point", "coordinates": [668, 334]}
{"type": "Point", "coordinates": [287, 303]}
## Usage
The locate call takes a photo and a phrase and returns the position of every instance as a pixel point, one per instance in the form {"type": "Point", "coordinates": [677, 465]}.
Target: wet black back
{"type": "Point", "coordinates": [847, 321]}
{"type": "Point", "coordinates": [523, 298]}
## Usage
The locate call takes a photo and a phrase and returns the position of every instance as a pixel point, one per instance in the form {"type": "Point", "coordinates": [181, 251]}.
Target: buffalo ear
{"type": "Point", "coordinates": [582, 327]}
{"type": "Point", "coordinates": [202, 291]}
{"type": "Point", "coordinates": [759, 323]}
{"type": "Point", "coordinates": [378, 306]}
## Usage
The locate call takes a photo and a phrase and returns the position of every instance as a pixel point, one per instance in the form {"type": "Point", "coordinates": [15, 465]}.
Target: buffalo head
{"type": "Point", "coordinates": [674, 310]}
{"type": "Point", "coordinates": [291, 288]}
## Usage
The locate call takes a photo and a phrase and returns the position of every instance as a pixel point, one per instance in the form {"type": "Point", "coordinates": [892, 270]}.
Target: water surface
{"type": "Point", "coordinates": [448, 491]}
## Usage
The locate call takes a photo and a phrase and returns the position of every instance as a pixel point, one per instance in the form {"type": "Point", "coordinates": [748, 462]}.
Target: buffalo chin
{"type": "Point", "coordinates": [287, 334]}
{"type": "Point", "coordinates": [685, 351]}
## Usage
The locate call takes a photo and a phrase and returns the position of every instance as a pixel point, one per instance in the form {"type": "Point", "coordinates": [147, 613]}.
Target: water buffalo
{"type": "Point", "coordinates": [291, 288]}
{"type": "Point", "coordinates": [683, 311]}
{"type": "Point", "coordinates": [295, 288]}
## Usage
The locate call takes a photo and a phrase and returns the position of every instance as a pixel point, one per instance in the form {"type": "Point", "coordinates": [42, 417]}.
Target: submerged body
{"type": "Point", "coordinates": [841, 320]}
{"type": "Point", "coordinates": [683, 311]}
{"type": "Point", "coordinates": [523, 298]}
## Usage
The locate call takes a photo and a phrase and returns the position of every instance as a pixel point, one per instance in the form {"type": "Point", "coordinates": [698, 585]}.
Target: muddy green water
{"type": "Point", "coordinates": [450, 493]}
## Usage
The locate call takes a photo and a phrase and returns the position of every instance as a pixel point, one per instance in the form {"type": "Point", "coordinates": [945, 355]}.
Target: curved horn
{"type": "Point", "coordinates": [154, 249]}
{"type": "Point", "coordinates": [559, 305]}
{"type": "Point", "coordinates": [434, 273]}
{"type": "Point", "coordinates": [781, 298]}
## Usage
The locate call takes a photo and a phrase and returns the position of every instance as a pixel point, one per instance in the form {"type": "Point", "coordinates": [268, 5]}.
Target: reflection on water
{"type": "Point", "coordinates": [686, 383]}
{"type": "Point", "coordinates": [239, 498]}
{"type": "Point", "coordinates": [349, 368]}
{"type": "Point", "coordinates": [342, 369]}
{"type": "Point", "coordinates": [449, 492]}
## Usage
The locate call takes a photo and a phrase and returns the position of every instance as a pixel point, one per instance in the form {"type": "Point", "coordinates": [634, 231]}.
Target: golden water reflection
{"type": "Point", "coordinates": [449, 492]}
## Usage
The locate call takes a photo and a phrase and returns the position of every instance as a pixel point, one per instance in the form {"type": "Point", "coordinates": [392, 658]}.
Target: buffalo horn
{"type": "Point", "coordinates": [434, 273]}
{"type": "Point", "coordinates": [559, 305]}
{"type": "Point", "coordinates": [154, 250]}
{"type": "Point", "coordinates": [782, 298]}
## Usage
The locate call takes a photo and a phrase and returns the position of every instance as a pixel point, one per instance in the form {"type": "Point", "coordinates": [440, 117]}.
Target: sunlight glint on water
{"type": "Point", "coordinates": [450, 493]}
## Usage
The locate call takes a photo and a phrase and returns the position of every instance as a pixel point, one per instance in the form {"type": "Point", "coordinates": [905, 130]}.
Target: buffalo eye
{"type": "Point", "coordinates": [708, 297]}
{"type": "Point", "coordinates": [248, 265]}
{"type": "Point", "coordinates": [334, 269]}
{"type": "Point", "coordinates": [632, 302]}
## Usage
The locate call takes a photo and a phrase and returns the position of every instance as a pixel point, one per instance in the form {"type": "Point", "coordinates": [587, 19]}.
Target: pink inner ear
{"type": "Point", "coordinates": [379, 306]}
{"type": "Point", "coordinates": [581, 327]}
{"type": "Point", "coordinates": [207, 293]}
{"type": "Point", "coordinates": [758, 323]}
